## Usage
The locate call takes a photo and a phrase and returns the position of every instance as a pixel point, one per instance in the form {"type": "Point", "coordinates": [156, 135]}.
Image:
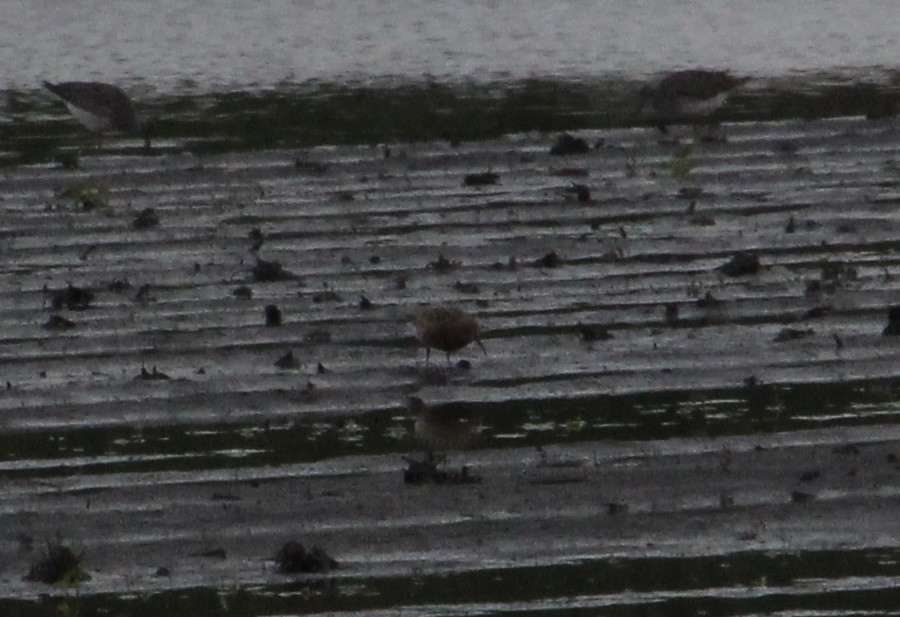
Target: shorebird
{"type": "Point", "coordinates": [695, 93]}
{"type": "Point", "coordinates": [102, 108]}
{"type": "Point", "coordinates": [444, 427]}
{"type": "Point", "coordinates": [446, 328]}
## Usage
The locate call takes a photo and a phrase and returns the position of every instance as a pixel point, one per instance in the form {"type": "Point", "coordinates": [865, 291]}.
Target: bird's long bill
{"type": "Point", "coordinates": [480, 344]}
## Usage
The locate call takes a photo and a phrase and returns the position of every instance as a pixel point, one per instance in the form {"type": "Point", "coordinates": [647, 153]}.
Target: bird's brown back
{"type": "Point", "coordinates": [698, 83]}
{"type": "Point", "coordinates": [445, 328]}
{"type": "Point", "coordinates": [100, 99]}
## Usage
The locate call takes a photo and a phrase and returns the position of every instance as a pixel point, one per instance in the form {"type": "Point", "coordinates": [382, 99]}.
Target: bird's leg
{"type": "Point", "coordinates": [711, 133]}
{"type": "Point", "coordinates": [434, 459]}
{"type": "Point", "coordinates": [427, 355]}
{"type": "Point", "coordinates": [480, 344]}
{"type": "Point", "coordinates": [448, 358]}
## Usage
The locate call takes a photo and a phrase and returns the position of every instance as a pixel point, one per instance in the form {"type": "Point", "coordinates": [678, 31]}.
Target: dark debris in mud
{"type": "Point", "coordinates": [273, 315]}
{"type": "Point", "coordinates": [293, 558]}
{"type": "Point", "coordinates": [146, 219]}
{"type": "Point", "coordinates": [590, 333]}
{"type": "Point", "coordinates": [427, 471]}
{"type": "Point", "coordinates": [550, 260]}
{"type": "Point", "coordinates": [151, 375]}
{"type": "Point", "coordinates": [793, 334]}
{"type": "Point", "coordinates": [742, 264]}
{"type": "Point", "coordinates": [567, 144]}
{"type": "Point", "coordinates": [67, 159]}
{"type": "Point", "coordinates": [243, 292]}
{"type": "Point", "coordinates": [72, 298]}
{"type": "Point", "coordinates": [485, 178]}
{"type": "Point", "coordinates": [59, 566]}
{"type": "Point", "coordinates": [216, 552]}
{"type": "Point", "coordinates": [466, 288]}
{"type": "Point", "coordinates": [581, 192]}
{"type": "Point", "coordinates": [264, 271]}
{"type": "Point", "coordinates": [287, 362]}
{"type": "Point", "coordinates": [443, 265]}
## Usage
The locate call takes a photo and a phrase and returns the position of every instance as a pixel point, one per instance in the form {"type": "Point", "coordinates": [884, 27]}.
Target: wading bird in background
{"type": "Point", "coordinates": [685, 95]}
{"type": "Point", "coordinates": [102, 108]}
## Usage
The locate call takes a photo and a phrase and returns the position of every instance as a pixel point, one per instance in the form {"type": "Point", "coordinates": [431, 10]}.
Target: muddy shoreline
{"type": "Point", "coordinates": [639, 404]}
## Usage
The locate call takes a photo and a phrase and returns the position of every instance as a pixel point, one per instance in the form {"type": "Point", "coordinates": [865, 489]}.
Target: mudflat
{"type": "Point", "coordinates": [685, 371]}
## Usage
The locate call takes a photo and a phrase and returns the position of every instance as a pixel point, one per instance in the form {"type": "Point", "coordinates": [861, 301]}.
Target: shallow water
{"type": "Point", "coordinates": [185, 45]}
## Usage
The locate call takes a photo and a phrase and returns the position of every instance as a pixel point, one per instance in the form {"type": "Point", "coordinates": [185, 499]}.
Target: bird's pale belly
{"type": "Point", "coordinates": [93, 122]}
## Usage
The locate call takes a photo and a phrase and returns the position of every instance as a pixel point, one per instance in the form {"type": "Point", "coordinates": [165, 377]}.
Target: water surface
{"type": "Point", "coordinates": [185, 45]}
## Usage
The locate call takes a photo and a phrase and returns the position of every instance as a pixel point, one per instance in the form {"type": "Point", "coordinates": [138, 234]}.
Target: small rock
{"type": "Point", "coordinates": [590, 333]}
{"type": "Point", "coordinates": [550, 260]}
{"type": "Point", "coordinates": [287, 361]}
{"type": "Point", "coordinates": [243, 292]}
{"type": "Point", "coordinates": [581, 191]}
{"type": "Point", "coordinates": [273, 315]}
{"type": "Point", "coordinates": [740, 265]}
{"type": "Point", "coordinates": [467, 288]}
{"type": "Point", "coordinates": [270, 271]}
{"type": "Point", "coordinates": [443, 265]}
{"type": "Point", "coordinates": [146, 219]}
{"type": "Point", "coordinates": [566, 144]}
{"type": "Point", "coordinates": [481, 179]}
{"type": "Point", "coordinates": [801, 497]}
{"type": "Point", "coordinates": [72, 298]}
{"type": "Point", "coordinates": [293, 558]}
